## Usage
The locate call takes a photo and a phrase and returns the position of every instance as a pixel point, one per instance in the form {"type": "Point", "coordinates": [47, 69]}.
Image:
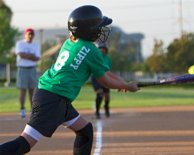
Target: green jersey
{"type": "Point", "coordinates": [75, 63]}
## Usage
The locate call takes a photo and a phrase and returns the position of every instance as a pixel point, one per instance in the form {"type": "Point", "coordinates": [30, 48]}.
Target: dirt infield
{"type": "Point", "coordinates": [131, 131]}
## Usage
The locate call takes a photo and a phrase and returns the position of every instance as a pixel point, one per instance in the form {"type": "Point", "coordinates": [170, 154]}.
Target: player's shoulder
{"type": "Point", "coordinates": [87, 44]}
{"type": "Point", "coordinates": [81, 45]}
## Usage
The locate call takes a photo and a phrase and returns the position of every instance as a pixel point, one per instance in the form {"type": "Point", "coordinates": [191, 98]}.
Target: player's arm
{"type": "Point", "coordinates": [28, 56]}
{"type": "Point", "coordinates": [115, 82]}
{"type": "Point", "coordinates": [114, 76]}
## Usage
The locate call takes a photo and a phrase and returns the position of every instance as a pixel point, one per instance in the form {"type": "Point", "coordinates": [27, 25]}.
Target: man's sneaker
{"type": "Point", "coordinates": [23, 113]}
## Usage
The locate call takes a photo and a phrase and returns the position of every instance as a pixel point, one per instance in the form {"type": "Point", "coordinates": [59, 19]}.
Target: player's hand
{"type": "Point", "coordinates": [132, 87]}
{"type": "Point", "coordinates": [122, 90]}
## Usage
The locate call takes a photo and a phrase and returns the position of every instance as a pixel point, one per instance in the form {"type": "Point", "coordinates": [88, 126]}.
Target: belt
{"type": "Point", "coordinates": [30, 67]}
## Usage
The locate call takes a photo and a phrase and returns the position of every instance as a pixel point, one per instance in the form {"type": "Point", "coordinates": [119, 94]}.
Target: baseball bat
{"type": "Point", "coordinates": [187, 78]}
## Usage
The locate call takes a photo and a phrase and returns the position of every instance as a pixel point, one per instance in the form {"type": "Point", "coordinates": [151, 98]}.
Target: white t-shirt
{"type": "Point", "coordinates": [24, 47]}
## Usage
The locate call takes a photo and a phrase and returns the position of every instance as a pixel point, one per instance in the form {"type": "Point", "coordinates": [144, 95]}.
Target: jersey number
{"type": "Point", "coordinates": [61, 60]}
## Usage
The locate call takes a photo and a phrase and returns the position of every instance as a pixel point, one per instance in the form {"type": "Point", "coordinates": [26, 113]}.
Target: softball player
{"type": "Point", "coordinates": [101, 91]}
{"type": "Point", "coordinates": [60, 85]}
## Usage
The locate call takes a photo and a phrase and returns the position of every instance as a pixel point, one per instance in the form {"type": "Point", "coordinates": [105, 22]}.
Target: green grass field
{"type": "Point", "coordinates": [153, 96]}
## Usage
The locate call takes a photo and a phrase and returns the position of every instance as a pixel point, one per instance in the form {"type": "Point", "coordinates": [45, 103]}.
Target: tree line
{"type": "Point", "coordinates": [177, 57]}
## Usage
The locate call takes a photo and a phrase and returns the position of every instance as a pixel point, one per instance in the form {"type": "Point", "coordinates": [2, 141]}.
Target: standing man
{"type": "Point", "coordinates": [28, 53]}
{"type": "Point", "coordinates": [101, 91]}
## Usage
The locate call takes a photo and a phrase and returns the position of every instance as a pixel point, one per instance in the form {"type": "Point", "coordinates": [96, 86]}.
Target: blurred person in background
{"type": "Point", "coordinates": [101, 91]}
{"type": "Point", "coordinates": [28, 53]}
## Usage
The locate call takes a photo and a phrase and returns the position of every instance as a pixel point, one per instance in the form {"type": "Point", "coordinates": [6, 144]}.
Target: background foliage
{"type": "Point", "coordinates": [176, 58]}
{"type": "Point", "coordinates": [7, 34]}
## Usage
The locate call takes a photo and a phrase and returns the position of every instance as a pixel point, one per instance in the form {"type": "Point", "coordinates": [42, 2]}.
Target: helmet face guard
{"type": "Point", "coordinates": [104, 34]}
{"type": "Point", "coordinates": [87, 22]}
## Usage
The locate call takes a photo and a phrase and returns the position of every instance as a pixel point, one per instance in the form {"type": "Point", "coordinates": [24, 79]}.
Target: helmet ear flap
{"type": "Point", "coordinates": [95, 34]}
{"type": "Point", "coordinates": [91, 35]}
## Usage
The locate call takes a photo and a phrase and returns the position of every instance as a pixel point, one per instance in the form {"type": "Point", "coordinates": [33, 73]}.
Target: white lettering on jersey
{"type": "Point", "coordinates": [80, 57]}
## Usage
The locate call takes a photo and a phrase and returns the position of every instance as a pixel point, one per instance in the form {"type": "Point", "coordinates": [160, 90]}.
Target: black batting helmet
{"type": "Point", "coordinates": [86, 22]}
